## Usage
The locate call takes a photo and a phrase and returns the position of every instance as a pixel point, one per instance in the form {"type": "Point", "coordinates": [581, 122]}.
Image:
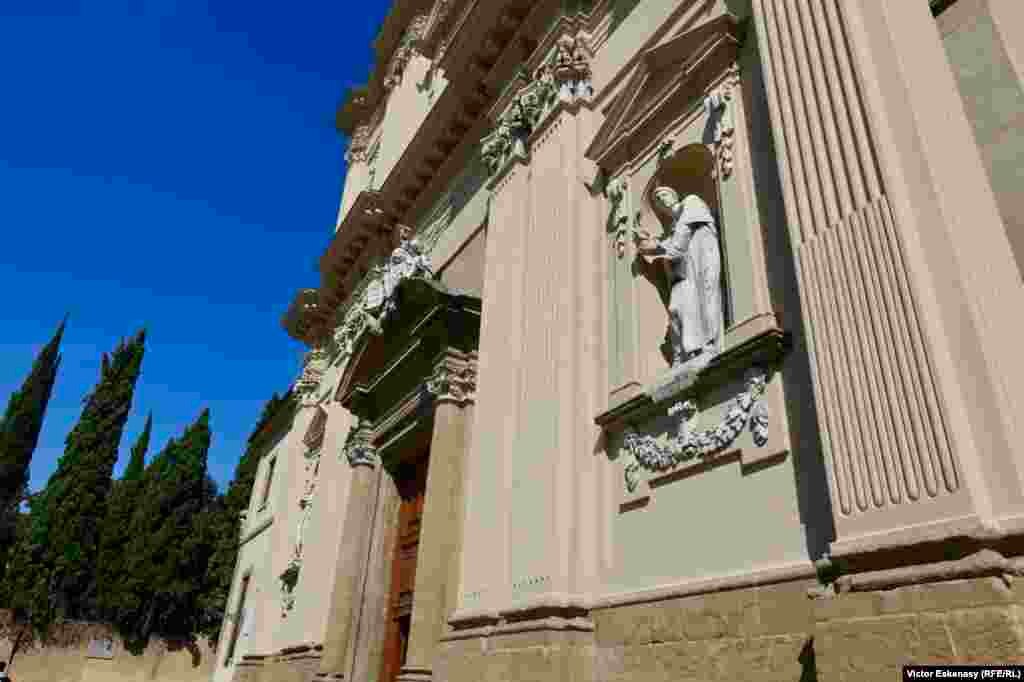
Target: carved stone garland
{"type": "Point", "coordinates": [564, 78]}
{"type": "Point", "coordinates": [719, 107]}
{"type": "Point", "coordinates": [749, 411]}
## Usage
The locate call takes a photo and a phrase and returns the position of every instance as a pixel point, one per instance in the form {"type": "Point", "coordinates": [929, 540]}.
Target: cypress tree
{"type": "Point", "coordinates": [66, 521]}
{"type": "Point", "coordinates": [170, 545]}
{"type": "Point", "coordinates": [225, 520]}
{"type": "Point", "coordinates": [19, 434]}
{"type": "Point", "coordinates": [125, 497]}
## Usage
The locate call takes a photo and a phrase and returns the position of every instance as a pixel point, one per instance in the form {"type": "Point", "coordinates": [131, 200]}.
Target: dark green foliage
{"type": "Point", "coordinates": [225, 523]}
{"type": "Point", "coordinates": [19, 434]}
{"type": "Point", "coordinates": [170, 543]}
{"type": "Point", "coordinates": [67, 517]}
{"type": "Point", "coordinates": [125, 498]}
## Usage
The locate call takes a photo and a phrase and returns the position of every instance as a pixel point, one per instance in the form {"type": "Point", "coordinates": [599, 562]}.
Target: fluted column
{"type": "Point", "coordinates": [905, 271]}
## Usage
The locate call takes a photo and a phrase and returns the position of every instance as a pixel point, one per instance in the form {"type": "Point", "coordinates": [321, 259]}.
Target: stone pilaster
{"type": "Point", "coordinates": [440, 549]}
{"type": "Point", "coordinates": [347, 595]}
{"type": "Point", "coordinates": [906, 275]}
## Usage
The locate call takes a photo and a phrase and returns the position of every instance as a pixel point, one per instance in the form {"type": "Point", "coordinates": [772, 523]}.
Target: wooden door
{"type": "Point", "coordinates": [412, 482]}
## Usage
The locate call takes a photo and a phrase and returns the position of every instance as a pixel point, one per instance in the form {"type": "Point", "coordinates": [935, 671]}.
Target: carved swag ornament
{"type": "Point", "coordinates": [649, 453]}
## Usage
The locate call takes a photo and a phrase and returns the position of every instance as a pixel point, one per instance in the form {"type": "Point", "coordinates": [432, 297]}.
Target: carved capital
{"type": "Point", "coordinates": [358, 448]}
{"type": "Point", "coordinates": [453, 382]}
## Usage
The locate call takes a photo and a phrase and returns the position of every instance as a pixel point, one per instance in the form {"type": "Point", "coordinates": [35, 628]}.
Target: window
{"type": "Point", "coordinates": [239, 620]}
{"type": "Point", "coordinates": [267, 483]}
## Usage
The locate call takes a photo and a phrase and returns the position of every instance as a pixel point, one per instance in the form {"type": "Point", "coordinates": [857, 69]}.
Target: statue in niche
{"type": "Point", "coordinates": [694, 266]}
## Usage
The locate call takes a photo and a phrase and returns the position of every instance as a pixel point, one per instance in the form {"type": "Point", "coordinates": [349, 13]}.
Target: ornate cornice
{"type": "Point", "coordinates": [407, 47]}
{"type": "Point", "coordinates": [454, 380]}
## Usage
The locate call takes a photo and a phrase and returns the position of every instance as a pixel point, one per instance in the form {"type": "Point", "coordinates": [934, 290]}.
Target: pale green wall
{"type": "Point", "coordinates": [980, 44]}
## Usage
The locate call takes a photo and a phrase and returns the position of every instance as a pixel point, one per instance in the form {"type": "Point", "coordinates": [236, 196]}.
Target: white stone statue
{"type": "Point", "coordinates": [408, 259]}
{"type": "Point", "coordinates": [694, 265]}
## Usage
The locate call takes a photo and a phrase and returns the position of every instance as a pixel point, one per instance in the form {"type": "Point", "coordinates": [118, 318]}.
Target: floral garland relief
{"type": "Point", "coordinates": [648, 453]}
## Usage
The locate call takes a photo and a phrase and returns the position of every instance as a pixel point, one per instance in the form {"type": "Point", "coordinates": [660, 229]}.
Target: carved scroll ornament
{"type": "Point", "coordinates": [648, 453]}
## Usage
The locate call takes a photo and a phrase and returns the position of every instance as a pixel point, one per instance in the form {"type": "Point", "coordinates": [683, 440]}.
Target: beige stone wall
{"type": "Point", "coordinates": [161, 662]}
{"type": "Point", "coordinates": [868, 636]}
{"type": "Point", "coordinates": [758, 633]}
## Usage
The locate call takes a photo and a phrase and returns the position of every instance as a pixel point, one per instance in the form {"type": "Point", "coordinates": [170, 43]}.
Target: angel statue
{"type": "Point", "coordinates": [694, 265]}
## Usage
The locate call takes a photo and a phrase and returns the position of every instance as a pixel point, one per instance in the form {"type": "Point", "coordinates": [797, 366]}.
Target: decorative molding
{"type": "Point", "coordinates": [358, 448]}
{"type": "Point", "coordinates": [564, 78]}
{"type": "Point", "coordinates": [454, 381]}
{"type": "Point", "coordinates": [719, 107]}
{"type": "Point", "coordinates": [648, 453]}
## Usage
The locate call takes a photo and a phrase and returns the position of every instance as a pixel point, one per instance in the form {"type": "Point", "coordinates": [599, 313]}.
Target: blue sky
{"type": "Point", "coordinates": [173, 165]}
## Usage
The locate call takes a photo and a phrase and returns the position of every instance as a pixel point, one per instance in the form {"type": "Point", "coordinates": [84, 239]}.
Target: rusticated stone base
{"type": "Point", "coordinates": [509, 653]}
{"type": "Point", "coordinates": [757, 633]}
{"type": "Point", "coordinates": [870, 635]}
{"type": "Point", "coordinates": [296, 664]}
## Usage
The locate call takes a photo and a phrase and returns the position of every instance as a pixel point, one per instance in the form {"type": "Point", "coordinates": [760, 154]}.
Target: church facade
{"type": "Point", "coordinates": [656, 340]}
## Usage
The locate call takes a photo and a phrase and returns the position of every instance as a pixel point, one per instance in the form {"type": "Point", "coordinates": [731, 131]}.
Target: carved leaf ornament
{"type": "Point", "coordinates": [648, 453]}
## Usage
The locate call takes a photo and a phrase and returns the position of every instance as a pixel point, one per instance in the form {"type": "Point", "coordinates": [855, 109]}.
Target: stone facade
{"type": "Point", "coordinates": [500, 465]}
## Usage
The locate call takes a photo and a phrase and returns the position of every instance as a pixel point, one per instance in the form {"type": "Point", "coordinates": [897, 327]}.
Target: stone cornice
{"type": "Point", "coordinates": [489, 43]}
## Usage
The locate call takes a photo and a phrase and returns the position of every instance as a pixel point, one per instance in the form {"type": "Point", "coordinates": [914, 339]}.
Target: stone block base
{"type": "Point", "coordinates": [871, 635]}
